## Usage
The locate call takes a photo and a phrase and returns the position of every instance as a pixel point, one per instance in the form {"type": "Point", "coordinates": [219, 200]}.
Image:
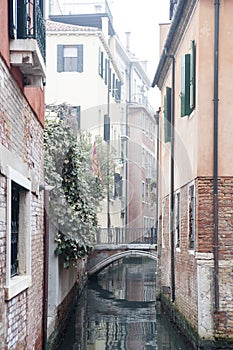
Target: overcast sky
{"type": "Point", "coordinates": [142, 19]}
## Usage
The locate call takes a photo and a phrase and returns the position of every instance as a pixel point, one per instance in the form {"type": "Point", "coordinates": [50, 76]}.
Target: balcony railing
{"type": "Point", "coordinates": [31, 24]}
{"type": "Point", "coordinates": [27, 47]}
{"type": "Point", "coordinates": [121, 235]}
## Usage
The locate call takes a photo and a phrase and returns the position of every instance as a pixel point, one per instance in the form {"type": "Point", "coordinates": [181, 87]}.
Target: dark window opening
{"type": "Point", "coordinates": [191, 218]}
{"type": "Point", "coordinates": [15, 200]}
{"type": "Point", "coordinates": [178, 220]}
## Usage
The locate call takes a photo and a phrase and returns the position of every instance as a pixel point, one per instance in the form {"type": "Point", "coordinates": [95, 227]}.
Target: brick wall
{"type": "Point", "coordinates": [22, 134]}
{"type": "Point", "coordinates": [194, 270]}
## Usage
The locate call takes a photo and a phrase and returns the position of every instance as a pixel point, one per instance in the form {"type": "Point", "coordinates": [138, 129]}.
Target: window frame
{"type": "Point", "coordinates": [178, 220]}
{"type": "Point", "coordinates": [21, 281]}
{"type": "Point", "coordinates": [191, 218]}
{"type": "Point", "coordinates": [61, 58]}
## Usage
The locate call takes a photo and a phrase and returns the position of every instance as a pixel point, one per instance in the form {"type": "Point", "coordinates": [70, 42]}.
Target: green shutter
{"type": "Point", "coordinates": [60, 58]}
{"type": "Point", "coordinates": [167, 115]}
{"type": "Point", "coordinates": [80, 58]}
{"type": "Point", "coordinates": [192, 75]}
{"type": "Point", "coordinates": [185, 85]}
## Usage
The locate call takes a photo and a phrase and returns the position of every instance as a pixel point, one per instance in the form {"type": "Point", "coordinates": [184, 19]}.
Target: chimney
{"type": "Point", "coordinates": [127, 40]}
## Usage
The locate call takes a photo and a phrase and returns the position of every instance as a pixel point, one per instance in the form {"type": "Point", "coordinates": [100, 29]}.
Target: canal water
{"type": "Point", "coordinates": [118, 312]}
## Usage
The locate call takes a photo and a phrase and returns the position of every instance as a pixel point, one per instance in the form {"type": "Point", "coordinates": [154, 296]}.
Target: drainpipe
{"type": "Point", "coordinates": [157, 171]}
{"type": "Point", "coordinates": [172, 179]}
{"type": "Point", "coordinates": [46, 257]}
{"type": "Point", "coordinates": [216, 99]}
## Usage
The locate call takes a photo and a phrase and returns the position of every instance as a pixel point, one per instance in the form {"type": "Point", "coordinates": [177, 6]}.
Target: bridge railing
{"type": "Point", "coordinates": [122, 235]}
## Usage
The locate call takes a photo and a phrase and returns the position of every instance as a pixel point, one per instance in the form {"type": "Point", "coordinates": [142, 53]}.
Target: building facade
{"type": "Point", "coordinates": [195, 187]}
{"type": "Point", "coordinates": [22, 74]}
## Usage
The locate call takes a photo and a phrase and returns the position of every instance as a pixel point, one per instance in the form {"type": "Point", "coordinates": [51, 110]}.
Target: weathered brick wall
{"type": "Point", "coordinates": [2, 259]}
{"type": "Point", "coordinates": [185, 263]}
{"type": "Point", "coordinates": [191, 284]}
{"type": "Point", "coordinates": [22, 134]}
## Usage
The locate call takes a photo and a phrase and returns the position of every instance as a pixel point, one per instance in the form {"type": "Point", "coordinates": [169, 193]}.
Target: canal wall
{"type": "Point", "coordinates": [194, 342]}
{"type": "Point", "coordinates": [64, 287]}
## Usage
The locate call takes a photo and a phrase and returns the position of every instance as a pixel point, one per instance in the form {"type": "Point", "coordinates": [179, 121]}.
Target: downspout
{"type": "Point", "coordinates": [127, 145]}
{"type": "Point", "coordinates": [215, 146]}
{"type": "Point", "coordinates": [172, 179]}
{"type": "Point", "coordinates": [46, 259]}
{"type": "Point", "coordinates": [157, 172]}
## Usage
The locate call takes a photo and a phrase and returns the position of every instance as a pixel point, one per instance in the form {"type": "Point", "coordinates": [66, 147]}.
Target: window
{"type": "Point", "coordinates": [70, 58]}
{"type": "Point", "coordinates": [191, 217]}
{"type": "Point", "coordinates": [18, 268]}
{"type": "Point", "coordinates": [167, 115]}
{"type": "Point", "coordinates": [118, 91]}
{"type": "Point", "coordinates": [188, 82]}
{"type": "Point", "coordinates": [76, 115]}
{"type": "Point", "coordinates": [113, 84]}
{"type": "Point", "coordinates": [147, 190]}
{"type": "Point", "coordinates": [101, 63]}
{"type": "Point", "coordinates": [143, 191]}
{"type": "Point", "coordinates": [106, 71]}
{"type": "Point", "coordinates": [117, 185]}
{"type": "Point", "coordinates": [178, 220]}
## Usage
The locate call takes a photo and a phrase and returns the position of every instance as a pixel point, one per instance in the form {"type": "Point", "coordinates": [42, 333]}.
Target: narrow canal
{"type": "Point", "coordinates": [118, 312]}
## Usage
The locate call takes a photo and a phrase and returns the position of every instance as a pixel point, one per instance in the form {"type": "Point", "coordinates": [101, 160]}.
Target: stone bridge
{"type": "Point", "coordinates": [102, 256]}
{"type": "Point", "coordinates": [116, 243]}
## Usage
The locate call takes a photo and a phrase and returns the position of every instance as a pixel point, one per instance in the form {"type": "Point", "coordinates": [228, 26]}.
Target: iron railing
{"type": "Point", "coordinates": [121, 235]}
{"type": "Point", "coordinates": [31, 23]}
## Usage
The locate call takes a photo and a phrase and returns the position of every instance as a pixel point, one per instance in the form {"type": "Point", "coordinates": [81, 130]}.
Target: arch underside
{"type": "Point", "coordinates": [109, 260]}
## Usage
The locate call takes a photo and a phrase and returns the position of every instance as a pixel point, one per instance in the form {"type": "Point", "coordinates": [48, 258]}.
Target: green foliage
{"type": "Point", "coordinates": [76, 192]}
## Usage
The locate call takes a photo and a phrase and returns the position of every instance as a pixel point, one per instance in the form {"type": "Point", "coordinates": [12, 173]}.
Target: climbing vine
{"type": "Point", "coordinates": [76, 190]}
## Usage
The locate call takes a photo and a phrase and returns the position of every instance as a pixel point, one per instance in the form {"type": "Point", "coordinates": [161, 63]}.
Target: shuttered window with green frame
{"type": "Point", "coordinates": [167, 115]}
{"type": "Point", "coordinates": [192, 76]}
{"type": "Point", "coordinates": [188, 81]}
{"type": "Point", "coordinates": [185, 85]}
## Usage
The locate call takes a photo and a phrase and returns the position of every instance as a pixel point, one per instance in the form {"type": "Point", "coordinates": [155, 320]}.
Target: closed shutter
{"type": "Point", "coordinates": [22, 18]}
{"type": "Point", "coordinates": [60, 58]}
{"type": "Point", "coordinates": [167, 115]}
{"type": "Point", "coordinates": [106, 71]}
{"type": "Point", "coordinates": [192, 75]}
{"type": "Point", "coordinates": [11, 19]}
{"type": "Point", "coordinates": [118, 91]}
{"type": "Point", "coordinates": [185, 85]}
{"type": "Point", "coordinates": [80, 59]}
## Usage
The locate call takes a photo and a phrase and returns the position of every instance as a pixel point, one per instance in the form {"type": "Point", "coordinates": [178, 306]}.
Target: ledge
{"type": "Point", "coordinates": [17, 285]}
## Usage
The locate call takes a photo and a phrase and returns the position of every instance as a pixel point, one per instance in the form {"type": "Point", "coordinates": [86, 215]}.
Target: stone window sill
{"type": "Point", "coordinates": [17, 285]}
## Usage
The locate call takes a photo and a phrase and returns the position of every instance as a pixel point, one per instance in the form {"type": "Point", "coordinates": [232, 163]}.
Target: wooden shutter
{"type": "Point", "coordinates": [80, 58]}
{"type": "Point", "coordinates": [192, 75]}
{"type": "Point", "coordinates": [185, 85]}
{"type": "Point", "coordinates": [167, 115]}
{"type": "Point", "coordinates": [101, 63]}
{"type": "Point", "coordinates": [60, 58]}
{"type": "Point", "coordinates": [113, 85]}
{"type": "Point", "coordinates": [106, 72]}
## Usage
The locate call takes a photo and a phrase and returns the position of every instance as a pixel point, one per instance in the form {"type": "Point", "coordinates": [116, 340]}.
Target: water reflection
{"type": "Point", "coordinates": [119, 312]}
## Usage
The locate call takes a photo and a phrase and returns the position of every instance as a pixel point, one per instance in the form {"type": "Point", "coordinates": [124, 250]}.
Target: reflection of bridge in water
{"type": "Point", "coordinates": [116, 243]}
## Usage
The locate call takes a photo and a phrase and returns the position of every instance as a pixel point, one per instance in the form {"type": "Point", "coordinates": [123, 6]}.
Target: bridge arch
{"type": "Point", "coordinates": [109, 260]}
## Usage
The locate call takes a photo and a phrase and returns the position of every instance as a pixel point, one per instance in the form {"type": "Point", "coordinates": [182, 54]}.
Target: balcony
{"type": "Point", "coordinates": [27, 47]}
